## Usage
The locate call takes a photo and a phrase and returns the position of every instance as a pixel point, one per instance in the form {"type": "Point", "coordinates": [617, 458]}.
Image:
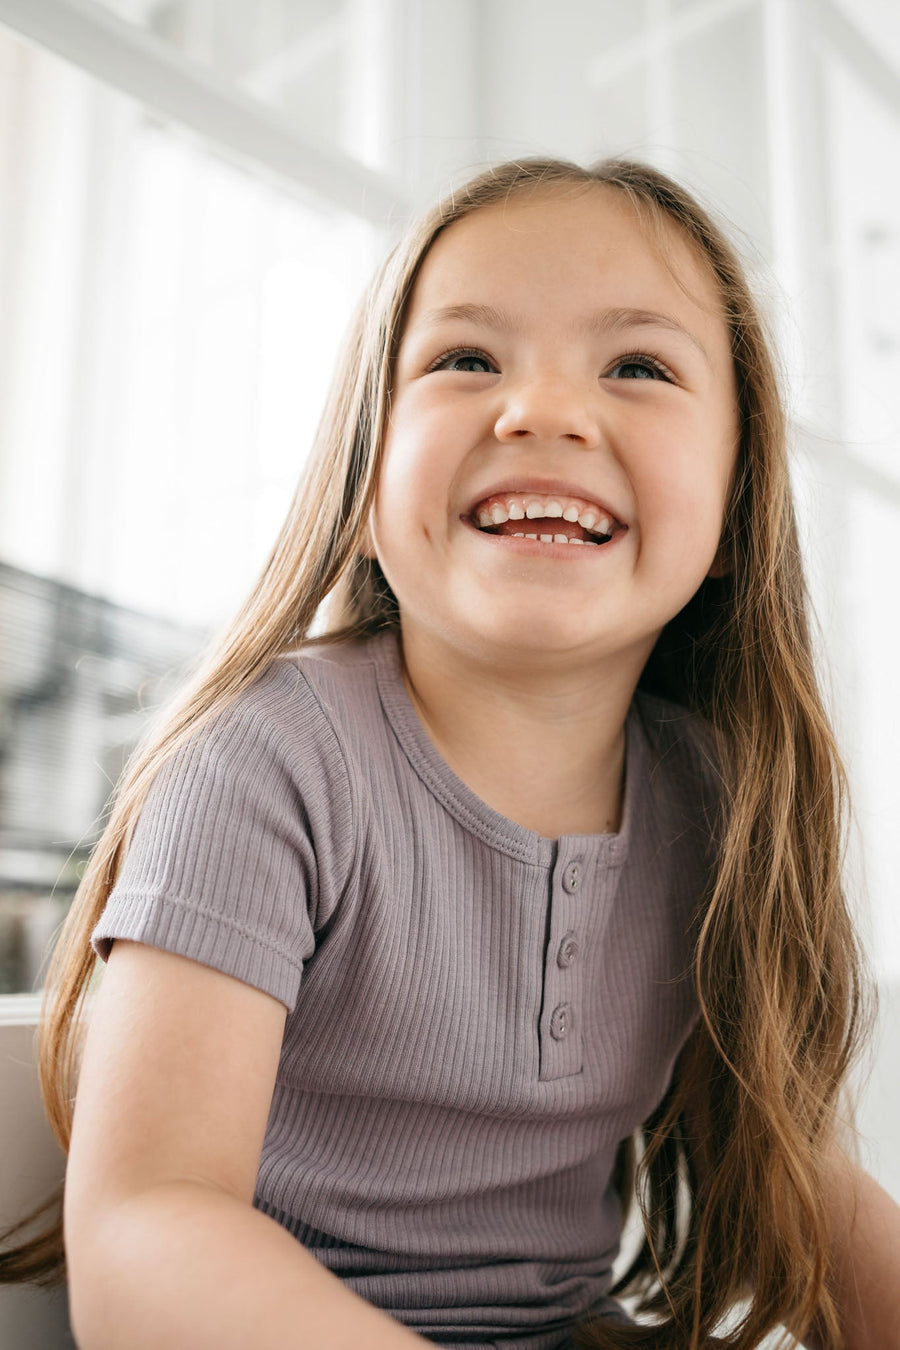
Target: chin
{"type": "Point", "coordinates": [530, 636]}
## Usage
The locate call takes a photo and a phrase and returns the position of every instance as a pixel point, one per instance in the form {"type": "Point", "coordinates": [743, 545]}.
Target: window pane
{"type": "Point", "coordinates": [170, 325]}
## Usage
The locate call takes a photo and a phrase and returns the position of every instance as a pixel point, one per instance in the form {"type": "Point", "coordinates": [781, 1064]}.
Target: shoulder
{"type": "Point", "coordinates": [340, 677]}
{"type": "Point", "coordinates": [295, 709]}
{"type": "Point", "coordinates": [276, 747]}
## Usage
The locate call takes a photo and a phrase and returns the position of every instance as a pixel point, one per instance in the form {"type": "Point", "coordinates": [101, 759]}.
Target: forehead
{"type": "Point", "coordinates": [568, 242]}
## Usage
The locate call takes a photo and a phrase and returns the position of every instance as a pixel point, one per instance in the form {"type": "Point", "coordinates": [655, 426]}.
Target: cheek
{"type": "Point", "coordinates": [406, 500]}
{"type": "Point", "coordinates": [402, 487]}
{"type": "Point", "coordinates": [683, 485]}
{"type": "Point", "coordinates": [421, 455]}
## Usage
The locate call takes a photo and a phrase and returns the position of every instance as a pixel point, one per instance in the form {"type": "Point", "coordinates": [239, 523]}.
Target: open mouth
{"type": "Point", "coordinates": [546, 518]}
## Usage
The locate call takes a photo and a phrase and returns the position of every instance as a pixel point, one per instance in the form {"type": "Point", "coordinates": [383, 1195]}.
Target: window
{"type": "Point", "coordinates": [171, 318]}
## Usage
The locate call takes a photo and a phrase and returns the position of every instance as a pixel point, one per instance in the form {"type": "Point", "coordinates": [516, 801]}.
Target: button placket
{"type": "Point", "coordinates": [561, 1031]}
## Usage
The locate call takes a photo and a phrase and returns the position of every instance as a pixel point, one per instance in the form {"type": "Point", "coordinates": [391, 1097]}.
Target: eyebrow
{"type": "Point", "coordinates": [598, 325]}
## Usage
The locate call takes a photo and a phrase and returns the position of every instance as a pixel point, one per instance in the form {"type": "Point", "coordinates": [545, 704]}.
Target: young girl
{"type": "Point", "coordinates": [430, 941]}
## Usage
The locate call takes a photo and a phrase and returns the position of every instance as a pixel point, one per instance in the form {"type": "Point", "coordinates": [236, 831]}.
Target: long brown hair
{"type": "Point", "coordinates": [730, 1171]}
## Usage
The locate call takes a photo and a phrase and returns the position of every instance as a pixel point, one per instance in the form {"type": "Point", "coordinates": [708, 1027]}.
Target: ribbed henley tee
{"type": "Point", "coordinates": [477, 1015]}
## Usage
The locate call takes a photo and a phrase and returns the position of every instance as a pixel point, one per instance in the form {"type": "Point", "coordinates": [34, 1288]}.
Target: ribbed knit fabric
{"type": "Point", "coordinates": [477, 1015]}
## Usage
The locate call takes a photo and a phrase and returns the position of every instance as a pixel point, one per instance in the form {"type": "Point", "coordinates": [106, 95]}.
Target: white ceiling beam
{"type": "Point", "coordinates": [145, 68]}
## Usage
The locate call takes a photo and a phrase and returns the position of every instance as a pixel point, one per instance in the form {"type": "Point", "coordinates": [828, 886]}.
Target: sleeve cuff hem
{"type": "Point", "coordinates": [189, 929]}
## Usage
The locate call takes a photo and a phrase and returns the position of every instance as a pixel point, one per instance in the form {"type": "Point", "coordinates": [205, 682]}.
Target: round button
{"type": "Point", "coordinates": [572, 877]}
{"type": "Point", "coordinates": [568, 951]}
{"type": "Point", "coordinates": [561, 1020]}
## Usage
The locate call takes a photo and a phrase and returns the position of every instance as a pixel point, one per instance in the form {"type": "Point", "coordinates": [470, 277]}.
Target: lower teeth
{"type": "Point", "coordinates": [553, 538]}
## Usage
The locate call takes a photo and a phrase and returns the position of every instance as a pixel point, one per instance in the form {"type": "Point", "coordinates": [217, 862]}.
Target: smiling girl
{"type": "Point", "coordinates": [432, 940]}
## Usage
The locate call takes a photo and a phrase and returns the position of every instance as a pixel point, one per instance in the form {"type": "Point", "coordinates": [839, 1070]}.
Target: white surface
{"type": "Point", "coordinates": [31, 1166]}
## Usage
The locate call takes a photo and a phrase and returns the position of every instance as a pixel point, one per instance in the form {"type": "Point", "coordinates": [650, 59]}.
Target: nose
{"type": "Point", "coordinates": [549, 407]}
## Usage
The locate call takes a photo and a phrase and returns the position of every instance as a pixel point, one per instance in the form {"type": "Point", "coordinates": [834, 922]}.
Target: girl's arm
{"type": "Point", "coordinates": [163, 1245]}
{"type": "Point", "coordinates": [866, 1260]}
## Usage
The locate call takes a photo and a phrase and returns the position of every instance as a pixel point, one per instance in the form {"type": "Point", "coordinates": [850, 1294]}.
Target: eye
{"type": "Point", "coordinates": [640, 366]}
{"type": "Point", "coordinates": [464, 360]}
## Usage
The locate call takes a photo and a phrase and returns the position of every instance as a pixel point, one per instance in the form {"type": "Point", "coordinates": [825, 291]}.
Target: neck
{"type": "Point", "coordinates": [544, 745]}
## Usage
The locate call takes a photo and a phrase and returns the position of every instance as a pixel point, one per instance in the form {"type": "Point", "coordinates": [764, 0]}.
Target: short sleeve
{"type": "Point", "coordinates": [238, 847]}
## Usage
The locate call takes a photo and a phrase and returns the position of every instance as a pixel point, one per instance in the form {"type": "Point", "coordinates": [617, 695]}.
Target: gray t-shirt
{"type": "Point", "coordinates": [476, 1015]}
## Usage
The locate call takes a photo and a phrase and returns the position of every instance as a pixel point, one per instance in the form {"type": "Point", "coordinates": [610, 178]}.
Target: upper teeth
{"type": "Point", "coordinates": [534, 507]}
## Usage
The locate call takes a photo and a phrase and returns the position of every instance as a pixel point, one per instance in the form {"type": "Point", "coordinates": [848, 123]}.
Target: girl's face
{"type": "Point", "coordinates": [555, 379]}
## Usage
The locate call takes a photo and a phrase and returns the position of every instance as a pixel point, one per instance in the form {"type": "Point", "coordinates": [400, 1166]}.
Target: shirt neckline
{"type": "Point", "coordinates": [474, 814]}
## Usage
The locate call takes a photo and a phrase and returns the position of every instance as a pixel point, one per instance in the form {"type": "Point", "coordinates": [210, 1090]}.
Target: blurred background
{"type": "Point", "coordinates": [192, 194]}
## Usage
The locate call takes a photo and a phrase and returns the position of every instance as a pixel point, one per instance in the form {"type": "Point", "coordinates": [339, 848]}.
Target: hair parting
{"type": "Point", "coordinates": [731, 1171]}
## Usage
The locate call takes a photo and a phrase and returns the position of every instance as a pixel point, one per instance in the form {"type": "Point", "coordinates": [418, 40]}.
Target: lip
{"type": "Point", "coordinates": [543, 487]}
